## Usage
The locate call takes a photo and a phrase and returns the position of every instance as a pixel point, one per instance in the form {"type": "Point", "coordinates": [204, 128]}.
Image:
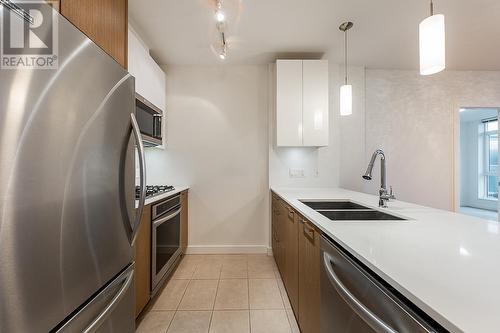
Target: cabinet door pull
{"type": "Point", "coordinates": [308, 231]}
{"type": "Point", "coordinates": [290, 214]}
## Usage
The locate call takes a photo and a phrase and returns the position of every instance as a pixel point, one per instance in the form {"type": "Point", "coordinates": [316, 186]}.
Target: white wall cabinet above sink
{"type": "Point", "coordinates": [302, 103]}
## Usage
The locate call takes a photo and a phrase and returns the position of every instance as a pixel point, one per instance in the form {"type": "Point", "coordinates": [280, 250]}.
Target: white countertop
{"type": "Point", "coordinates": [446, 263]}
{"type": "Point", "coordinates": [177, 189]}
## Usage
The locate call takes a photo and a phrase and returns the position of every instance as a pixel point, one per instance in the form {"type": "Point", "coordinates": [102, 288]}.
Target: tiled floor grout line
{"type": "Point", "coordinates": [228, 261]}
{"type": "Point", "coordinates": [213, 304]}
{"type": "Point", "coordinates": [278, 277]}
{"type": "Point", "coordinates": [183, 294]}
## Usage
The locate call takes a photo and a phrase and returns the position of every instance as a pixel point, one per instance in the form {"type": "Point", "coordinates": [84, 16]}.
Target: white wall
{"type": "Point", "coordinates": [352, 133]}
{"type": "Point", "coordinates": [217, 143]}
{"type": "Point", "coordinates": [322, 166]}
{"type": "Point", "coordinates": [415, 120]}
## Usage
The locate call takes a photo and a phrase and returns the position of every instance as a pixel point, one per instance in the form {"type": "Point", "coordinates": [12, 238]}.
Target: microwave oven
{"type": "Point", "coordinates": [149, 117]}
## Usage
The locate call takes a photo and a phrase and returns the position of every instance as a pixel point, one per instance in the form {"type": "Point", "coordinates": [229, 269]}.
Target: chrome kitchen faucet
{"type": "Point", "coordinates": [384, 196]}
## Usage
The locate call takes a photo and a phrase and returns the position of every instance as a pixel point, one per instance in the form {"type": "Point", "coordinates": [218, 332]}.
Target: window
{"type": "Point", "coordinates": [488, 159]}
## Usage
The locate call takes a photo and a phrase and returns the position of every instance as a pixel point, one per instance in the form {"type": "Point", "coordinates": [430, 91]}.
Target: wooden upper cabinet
{"type": "Point", "coordinates": [104, 21]}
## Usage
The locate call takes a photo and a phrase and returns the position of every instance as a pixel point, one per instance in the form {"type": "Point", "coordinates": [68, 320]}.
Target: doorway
{"type": "Point", "coordinates": [479, 162]}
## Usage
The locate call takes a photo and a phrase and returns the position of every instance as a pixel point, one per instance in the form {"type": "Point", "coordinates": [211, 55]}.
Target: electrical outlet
{"type": "Point", "coordinates": [296, 173]}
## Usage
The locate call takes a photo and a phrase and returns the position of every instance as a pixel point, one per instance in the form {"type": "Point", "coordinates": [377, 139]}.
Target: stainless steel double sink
{"type": "Point", "coordinates": [349, 211]}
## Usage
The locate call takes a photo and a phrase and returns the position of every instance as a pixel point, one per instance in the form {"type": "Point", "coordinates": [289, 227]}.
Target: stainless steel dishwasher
{"type": "Point", "coordinates": [354, 301]}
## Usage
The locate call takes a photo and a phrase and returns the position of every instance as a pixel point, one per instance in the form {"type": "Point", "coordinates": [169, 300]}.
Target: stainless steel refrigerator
{"type": "Point", "coordinates": [67, 187]}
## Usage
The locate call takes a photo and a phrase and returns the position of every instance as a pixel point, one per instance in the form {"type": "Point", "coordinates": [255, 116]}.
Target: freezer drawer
{"type": "Point", "coordinates": [110, 311]}
{"type": "Point", "coordinates": [353, 301]}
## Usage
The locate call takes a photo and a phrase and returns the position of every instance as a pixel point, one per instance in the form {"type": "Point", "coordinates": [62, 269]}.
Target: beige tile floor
{"type": "Point", "coordinates": [221, 294]}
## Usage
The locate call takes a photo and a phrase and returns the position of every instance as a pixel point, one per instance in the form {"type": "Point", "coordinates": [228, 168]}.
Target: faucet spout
{"type": "Point", "coordinates": [383, 195]}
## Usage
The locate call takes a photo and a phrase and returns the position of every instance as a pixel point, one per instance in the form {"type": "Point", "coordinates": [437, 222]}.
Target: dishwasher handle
{"type": "Point", "coordinates": [377, 324]}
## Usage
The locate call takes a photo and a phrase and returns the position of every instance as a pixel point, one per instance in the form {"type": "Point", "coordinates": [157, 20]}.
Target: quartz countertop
{"type": "Point", "coordinates": [447, 264]}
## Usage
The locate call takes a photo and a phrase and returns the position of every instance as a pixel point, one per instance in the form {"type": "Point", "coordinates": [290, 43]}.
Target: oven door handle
{"type": "Point", "coordinates": [159, 222]}
{"type": "Point", "coordinates": [377, 324]}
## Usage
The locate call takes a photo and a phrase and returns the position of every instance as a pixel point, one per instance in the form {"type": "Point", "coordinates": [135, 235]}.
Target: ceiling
{"type": "Point", "coordinates": [385, 32]}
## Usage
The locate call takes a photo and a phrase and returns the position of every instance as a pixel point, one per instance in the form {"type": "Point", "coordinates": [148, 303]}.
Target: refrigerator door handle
{"type": "Point", "coordinates": [377, 324]}
{"type": "Point", "coordinates": [125, 279]}
{"type": "Point", "coordinates": [142, 173]}
{"type": "Point", "coordinates": [99, 320]}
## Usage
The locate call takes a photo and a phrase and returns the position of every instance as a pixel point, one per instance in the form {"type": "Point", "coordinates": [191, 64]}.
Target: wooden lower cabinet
{"type": "Point", "coordinates": [184, 221]}
{"type": "Point", "coordinates": [309, 277]}
{"type": "Point", "coordinates": [280, 222]}
{"type": "Point", "coordinates": [296, 249]}
{"type": "Point", "coordinates": [281, 235]}
{"type": "Point", "coordinates": [142, 251]}
{"type": "Point", "coordinates": [274, 221]}
{"type": "Point", "coordinates": [291, 250]}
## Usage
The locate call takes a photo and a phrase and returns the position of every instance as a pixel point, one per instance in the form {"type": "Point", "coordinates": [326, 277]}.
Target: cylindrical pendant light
{"type": "Point", "coordinates": [432, 44]}
{"type": "Point", "coordinates": [346, 89]}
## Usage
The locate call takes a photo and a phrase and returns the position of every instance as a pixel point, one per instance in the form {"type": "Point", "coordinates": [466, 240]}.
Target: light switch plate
{"type": "Point", "coordinates": [296, 173]}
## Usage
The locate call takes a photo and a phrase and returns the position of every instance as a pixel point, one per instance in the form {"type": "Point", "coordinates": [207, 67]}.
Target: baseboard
{"type": "Point", "coordinates": [227, 249]}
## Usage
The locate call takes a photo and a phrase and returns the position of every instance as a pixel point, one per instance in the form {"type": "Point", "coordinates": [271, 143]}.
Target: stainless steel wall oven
{"type": "Point", "coordinates": [165, 242]}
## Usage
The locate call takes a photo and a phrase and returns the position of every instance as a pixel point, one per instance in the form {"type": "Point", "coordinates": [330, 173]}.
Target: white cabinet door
{"type": "Point", "coordinates": [315, 102]}
{"type": "Point", "coordinates": [137, 65]}
{"type": "Point", "coordinates": [149, 77]}
{"type": "Point", "coordinates": [289, 102]}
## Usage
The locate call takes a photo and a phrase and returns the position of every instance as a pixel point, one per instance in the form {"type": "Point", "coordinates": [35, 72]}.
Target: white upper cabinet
{"type": "Point", "coordinates": [149, 77]}
{"type": "Point", "coordinates": [315, 102]}
{"type": "Point", "coordinates": [302, 103]}
{"type": "Point", "coordinates": [289, 102]}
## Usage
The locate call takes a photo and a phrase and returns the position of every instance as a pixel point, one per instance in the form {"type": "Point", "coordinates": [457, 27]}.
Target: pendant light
{"type": "Point", "coordinates": [432, 44]}
{"type": "Point", "coordinates": [220, 18]}
{"type": "Point", "coordinates": [346, 89]}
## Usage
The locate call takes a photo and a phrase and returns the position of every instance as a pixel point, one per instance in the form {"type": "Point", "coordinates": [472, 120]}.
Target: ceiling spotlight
{"type": "Point", "coordinates": [219, 16]}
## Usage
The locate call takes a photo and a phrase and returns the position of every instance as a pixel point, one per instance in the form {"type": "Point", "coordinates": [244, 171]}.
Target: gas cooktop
{"type": "Point", "coordinates": [152, 190]}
